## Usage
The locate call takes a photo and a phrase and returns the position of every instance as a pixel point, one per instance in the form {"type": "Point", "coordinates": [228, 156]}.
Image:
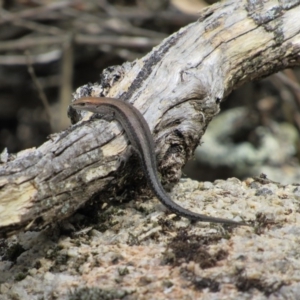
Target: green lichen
{"type": "Point", "coordinates": [20, 276]}
{"type": "Point", "coordinates": [123, 271]}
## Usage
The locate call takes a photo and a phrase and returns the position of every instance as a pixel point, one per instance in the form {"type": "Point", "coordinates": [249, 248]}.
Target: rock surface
{"type": "Point", "coordinates": [138, 251]}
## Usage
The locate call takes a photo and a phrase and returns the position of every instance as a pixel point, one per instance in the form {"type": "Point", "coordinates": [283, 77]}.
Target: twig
{"type": "Point", "coordinates": [39, 88]}
{"type": "Point", "coordinates": [44, 58]}
{"type": "Point", "coordinates": [124, 41]}
{"type": "Point", "coordinates": [171, 18]}
{"type": "Point", "coordinates": [29, 24]}
{"type": "Point", "coordinates": [294, 102]}
{"type": "Point", "coordinates": [66, 86]}
{"type": "Point", "coordinates": [108, 8]}
{"type": "Point", "coordinates": [116, 25]}
{"type": "Point", "coordinates": [25, 43]}
{"type": "Point", "coordinates": [286, 80]}
{"type": "Point", "coordinates": [35, 12]}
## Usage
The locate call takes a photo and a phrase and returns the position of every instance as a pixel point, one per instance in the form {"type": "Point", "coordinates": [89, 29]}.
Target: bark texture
{"type": "Point", "coordinates": [178, 87]}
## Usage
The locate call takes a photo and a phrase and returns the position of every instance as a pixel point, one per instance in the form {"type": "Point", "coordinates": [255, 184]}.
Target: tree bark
{"type": "Point", "coordinates": [178, 87]}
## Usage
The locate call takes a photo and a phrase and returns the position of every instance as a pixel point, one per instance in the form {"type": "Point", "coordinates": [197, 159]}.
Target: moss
{"type": "Point", "coordinates": [166, 225]}
{"type": "Point", "coordinates": [99, 218]}
{"type": "Point", "coordinates": [244, 284]}
{"type": "Point", "coordinates": [261, 223]}
{"type": "Point", "coordinates": [13, 252]}
{"type": "Point", "coordinates": [20, 276]}
{"type": "Point", "coordinates": [167, 284]}
{"type": "Point", "coordinates": [201, 283]}
{"type": "Point", "coordinates": [61, 259]}
{"type": "Point", "coordinates": [103, 220]}
{"type": "Point", "coordinates": [144, 210]}
{"type": "Point", "coordinates": [95, 293]}
{"type": "Point", "coordinates": [185, 248]}
{"type": "Point", "coordinates": [80, 260]}
{"type": "Point", "coordinates": [53, 253]}
{"type": "Point", "coordinates": [58, 258]}
{"type": "Point", "coordinates": [116, 259]}
{"type": "Point", "coordinates": [132, 240]}
{"type": "Point", "coordinates": [123, 271]}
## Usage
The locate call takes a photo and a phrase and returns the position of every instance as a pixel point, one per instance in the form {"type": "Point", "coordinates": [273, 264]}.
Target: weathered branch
{"type": "Point", "coordinates": [178, 87]}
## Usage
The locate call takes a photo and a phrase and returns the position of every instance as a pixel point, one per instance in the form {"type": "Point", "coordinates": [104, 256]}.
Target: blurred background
{"type": "Point", "coordinates": [49, 48]}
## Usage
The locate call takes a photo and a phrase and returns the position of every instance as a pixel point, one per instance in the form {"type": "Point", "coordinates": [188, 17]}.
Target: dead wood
{"type": "Point", "coordinates": [178, 87]}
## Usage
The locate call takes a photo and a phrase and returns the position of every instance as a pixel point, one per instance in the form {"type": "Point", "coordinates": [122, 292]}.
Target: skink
{"type": "Point", "coordinates": [141, 140]}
